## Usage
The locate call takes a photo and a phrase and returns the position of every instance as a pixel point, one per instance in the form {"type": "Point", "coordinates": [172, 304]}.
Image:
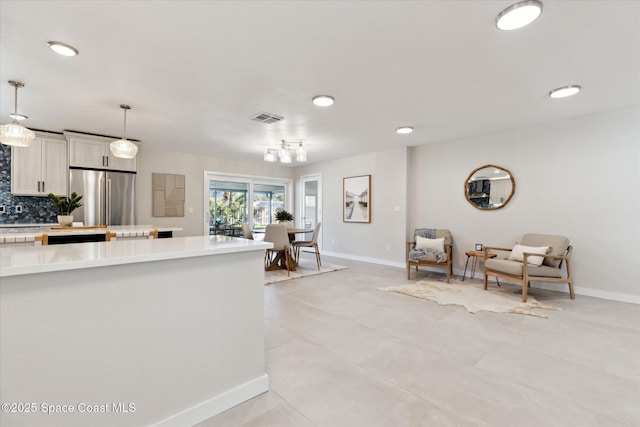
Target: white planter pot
{"type": "Point", "coordinates": [289, 223]}
{"type": "Point", "coordinates": [65, 220]}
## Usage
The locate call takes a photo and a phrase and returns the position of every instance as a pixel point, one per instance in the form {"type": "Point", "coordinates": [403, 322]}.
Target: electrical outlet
{"type": "Point", "coordinates": [2, 209]}
{"type": "Point", "coordinates": [388, 248]}
{"type": "Point", "coordinates": [18, 208]}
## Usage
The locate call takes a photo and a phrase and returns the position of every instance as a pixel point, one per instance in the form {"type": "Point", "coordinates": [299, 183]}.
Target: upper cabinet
{"type": "Point", "coordinates": [94, 152]}
{"type": "Point", "coordinates": [40, 168]}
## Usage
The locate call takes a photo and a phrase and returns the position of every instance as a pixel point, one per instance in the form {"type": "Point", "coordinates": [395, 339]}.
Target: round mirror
{"type": "Point", "coordinates": [489, 187]}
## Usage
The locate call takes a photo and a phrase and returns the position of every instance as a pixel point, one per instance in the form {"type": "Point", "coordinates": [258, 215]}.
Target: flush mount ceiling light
{"type": "Point", "coordinates": [271, 154]}
{"type": "Point", "coordinates": [124, 148]}
{"type": "Point", "coordinates": [564, 91]}
{"type": "Point", "coordinates": [13, 133]}
{"type": "Point", "coordinates": [519, 15]}
{"type": "Point", "coordinates": [403, 130]}
{"type": "Point", "coordinates": [323, 100]}
{"type": "Point", "coordinates": [63, 49]}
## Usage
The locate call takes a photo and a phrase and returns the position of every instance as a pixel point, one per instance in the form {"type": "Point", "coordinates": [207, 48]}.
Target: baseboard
{"type": "Point", "coordinates": [578, 290]}
{"type": "Point", "coordinates": [590, 292]}
{"type": "Point", "coordinates": [366, 259]}
{"type": "Point", "coordinates": [209, 408]}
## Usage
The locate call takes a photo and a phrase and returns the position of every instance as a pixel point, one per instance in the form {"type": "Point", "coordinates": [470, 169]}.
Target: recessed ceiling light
{"type": "Point", "coordinates": [563, 92]}
{"type": "Point", "coordinates": [519, 15]}
{"type": "Point", "coordinates": [404, 130]}
{"type": "Point", "coordinates": [18, 117]}
{"type": "Point", "coordinates": [323, 100]}
{"type": "Point", "coordinates": [63, 49]}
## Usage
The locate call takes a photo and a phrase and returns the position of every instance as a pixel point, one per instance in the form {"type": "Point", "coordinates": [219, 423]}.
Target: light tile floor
{"type": "Point", "coordinates": [341, 353]}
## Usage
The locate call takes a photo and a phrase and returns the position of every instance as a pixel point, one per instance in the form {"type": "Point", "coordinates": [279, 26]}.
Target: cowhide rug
{"type": "Point", "coordinates": [473, 297]}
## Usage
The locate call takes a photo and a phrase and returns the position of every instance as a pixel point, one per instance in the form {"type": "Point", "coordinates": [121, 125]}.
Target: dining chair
{"type": "Point", "coordinates": [246, 231]}
{"type": "Point", "coordinates": [278, 235]}
{"type": "Point", "coordinates": [313, 243]}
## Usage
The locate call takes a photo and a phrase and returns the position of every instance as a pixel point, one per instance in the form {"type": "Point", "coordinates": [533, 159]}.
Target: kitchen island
{"type": "Point", "coordinates": [131, 332]}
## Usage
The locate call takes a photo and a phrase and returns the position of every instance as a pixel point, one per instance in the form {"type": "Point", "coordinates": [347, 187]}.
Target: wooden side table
{"type": "Point", "coordinates": [475, 255]}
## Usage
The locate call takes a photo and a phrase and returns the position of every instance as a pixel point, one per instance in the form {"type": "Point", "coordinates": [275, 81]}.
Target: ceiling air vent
{"type": "Point", "coordinates": [266, 118]}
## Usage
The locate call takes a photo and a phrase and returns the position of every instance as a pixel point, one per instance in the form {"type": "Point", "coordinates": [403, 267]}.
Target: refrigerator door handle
{"type": "Point", "coordinates": [108, 202]}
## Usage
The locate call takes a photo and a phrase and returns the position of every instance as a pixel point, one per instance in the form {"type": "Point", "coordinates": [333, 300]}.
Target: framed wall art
{"type": "Point", "coordinates": [356, 199]}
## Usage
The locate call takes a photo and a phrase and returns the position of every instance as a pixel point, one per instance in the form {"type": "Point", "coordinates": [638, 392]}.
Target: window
{"type": "Point", "coordinates": [234, 199]}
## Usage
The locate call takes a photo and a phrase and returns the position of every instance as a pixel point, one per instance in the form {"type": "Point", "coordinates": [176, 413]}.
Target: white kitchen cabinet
{"type": "Point", "coordinates": [94, 153]}
{"type": "Point", "coordinates": [40, 169]}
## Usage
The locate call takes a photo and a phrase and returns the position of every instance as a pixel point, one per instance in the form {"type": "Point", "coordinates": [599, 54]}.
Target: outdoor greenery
{"type": "Point", "coordinates": [66, 205]}
{"type": "Point", "coordinates": [228, 208]}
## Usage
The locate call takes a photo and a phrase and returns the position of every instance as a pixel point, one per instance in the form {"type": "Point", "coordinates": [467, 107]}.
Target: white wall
{"type": "Point", "coordinates": [193, 167]}
{"type": "Point", "coordinates": [579, 178]}
{"type": "Point", "coordinates": [367, 241]}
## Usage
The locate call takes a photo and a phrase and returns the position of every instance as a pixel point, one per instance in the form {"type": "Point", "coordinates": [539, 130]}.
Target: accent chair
{"type": "Point", "coordinates": [536, 258]}
{"type": "Point", "coordinates": [436, 250]}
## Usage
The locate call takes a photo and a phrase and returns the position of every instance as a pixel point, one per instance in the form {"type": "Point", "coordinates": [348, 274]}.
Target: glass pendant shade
{"type": "Point", "coordinates": [124, 149]}
{"type": "Point", "coordinates": [269, 155]}
{"type": "Point", "coordinates": [301, 154]}
{"type": "Point", "coordinates": [15, 134]}
{"type": "Point", "coordinates": [285, 155]}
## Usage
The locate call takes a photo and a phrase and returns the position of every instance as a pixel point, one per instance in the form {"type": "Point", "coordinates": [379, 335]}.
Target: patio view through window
{"type": "Point", "coordinates": [238, 200]}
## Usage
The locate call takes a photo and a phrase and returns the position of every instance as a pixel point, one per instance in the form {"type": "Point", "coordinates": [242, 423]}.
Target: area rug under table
{"type": "Point", "coordinates": [305, 268]}
{"type": "Point", "coordinates": [473, 297]}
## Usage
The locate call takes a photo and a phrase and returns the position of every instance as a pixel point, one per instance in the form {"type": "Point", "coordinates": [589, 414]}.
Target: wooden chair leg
{"type": "Point", "coordinates": [525, 284]}
{"type": "Point", "coordinates": [315, 247]}
{"type": "Point", "coordinates": [486, 279]}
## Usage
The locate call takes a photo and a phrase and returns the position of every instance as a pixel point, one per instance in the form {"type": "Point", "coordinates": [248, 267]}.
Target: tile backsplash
{"type": "Point", "coordinates": [35, 210]}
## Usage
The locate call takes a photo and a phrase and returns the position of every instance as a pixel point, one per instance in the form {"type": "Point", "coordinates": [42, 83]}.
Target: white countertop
{"type": "Point", "coordinates": [15, 261]}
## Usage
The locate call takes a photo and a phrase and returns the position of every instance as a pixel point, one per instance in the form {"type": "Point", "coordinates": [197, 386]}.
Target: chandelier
{"type": "Point", "coordinates": [13, 133]}
{"type": "Point", "coordinates": [124, 148]}
{"type": "Point", "coordinates": [284, 152]}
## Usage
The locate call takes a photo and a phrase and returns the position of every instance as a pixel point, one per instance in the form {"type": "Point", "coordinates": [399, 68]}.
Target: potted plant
{"type": "Point", "coordinates": [65, 206]}
{"type": "Point", "coordinates": [283, 216]}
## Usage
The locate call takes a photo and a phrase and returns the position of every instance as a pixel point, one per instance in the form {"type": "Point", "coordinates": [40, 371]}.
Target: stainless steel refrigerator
{"type": "Point", "coordinates": [109, 198]}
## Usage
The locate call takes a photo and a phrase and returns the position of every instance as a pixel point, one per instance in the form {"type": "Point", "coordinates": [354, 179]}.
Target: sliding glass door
{"type": "Point", "coordinates": [236, 199]}
{"type": "Point", "coordinates": [228, 207]}
{"type": "Point", "coordinates": [266, 200]}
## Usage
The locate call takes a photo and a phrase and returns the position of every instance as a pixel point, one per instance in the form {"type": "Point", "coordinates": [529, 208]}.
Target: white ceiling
{"type": "Point", "coordinates": [196, 71]}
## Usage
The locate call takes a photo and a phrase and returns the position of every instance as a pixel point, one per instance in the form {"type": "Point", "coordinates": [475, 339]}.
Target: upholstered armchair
{"type": "Point", "coordinates": [430, 248]}
{"type": "Point", "coordinates": [536, 258]}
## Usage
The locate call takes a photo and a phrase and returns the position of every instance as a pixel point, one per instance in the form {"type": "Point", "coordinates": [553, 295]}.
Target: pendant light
{"type": "Point", "coordinates": [123, 148]}
{"type": "Point", "coordinates": [13, 133]}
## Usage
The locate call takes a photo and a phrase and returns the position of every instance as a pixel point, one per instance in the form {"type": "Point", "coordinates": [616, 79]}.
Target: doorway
{"type": "Point", "coordinates": [310, 203]}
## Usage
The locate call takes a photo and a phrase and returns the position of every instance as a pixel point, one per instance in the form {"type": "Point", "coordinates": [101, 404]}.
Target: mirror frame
{"type": "Point", "coordinates": [513, 187]}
